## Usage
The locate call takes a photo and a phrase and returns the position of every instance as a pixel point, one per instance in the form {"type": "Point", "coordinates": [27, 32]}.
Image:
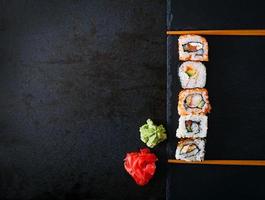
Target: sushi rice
{"type": "Point", "coordinates": [193, 47]}
{"type": "Point", "coordinates": [192, 126]}
{"type": "Point", "coordinates": [190, 150]}
{"type": "Point", "coordinates": [193, 101]}
{"type": "Point", "coordinates": [192, 74]}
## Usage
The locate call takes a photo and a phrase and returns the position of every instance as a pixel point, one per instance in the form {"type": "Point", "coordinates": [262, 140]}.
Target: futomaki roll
{"type": "Point", "coordinates": [192, 126]}
{"type": "Point", "coordinates": [190, 150]}
{"type": "Point", "coordinates": [192, 74]}
{"type": "Point", "coordinates": [193, 47]}
{"type": "Point", "coordinates": [193, 101]}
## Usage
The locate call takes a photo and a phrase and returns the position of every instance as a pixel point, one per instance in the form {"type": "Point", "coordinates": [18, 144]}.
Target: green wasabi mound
{"type": "Point", "coordinates": [152, 134]}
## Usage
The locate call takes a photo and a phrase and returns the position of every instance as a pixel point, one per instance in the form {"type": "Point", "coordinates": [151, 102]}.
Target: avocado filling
{"type": "Point", "coordinates": [190, 71]}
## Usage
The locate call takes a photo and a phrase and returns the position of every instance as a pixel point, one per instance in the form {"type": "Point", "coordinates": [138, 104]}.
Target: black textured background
{"type": "Point", "coordinates": [77, 79]}
{"type": "Point", "coordinates": [235, 81]}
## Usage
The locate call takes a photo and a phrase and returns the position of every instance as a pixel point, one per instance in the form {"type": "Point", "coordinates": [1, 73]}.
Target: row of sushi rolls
{"type": "Point", "coordinates": [193, 100]}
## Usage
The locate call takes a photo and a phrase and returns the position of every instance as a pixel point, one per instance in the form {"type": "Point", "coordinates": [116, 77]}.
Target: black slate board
{"type": "Point", "coordinates": [235, 81]}
{"type": "Point", "coordinates": [208, 14]}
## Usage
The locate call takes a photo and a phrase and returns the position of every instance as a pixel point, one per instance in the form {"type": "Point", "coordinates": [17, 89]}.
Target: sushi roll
{"type": "Point", "coordinates": [193, 101]}
{"type": "Point", "coordinates": [193, 47]}
{"type": "Point", "coordinates": [192, 74]}
{"type": "Point", "coordinates": [192, 126]}
{"type": "Point", "coordinates": [190, 150]}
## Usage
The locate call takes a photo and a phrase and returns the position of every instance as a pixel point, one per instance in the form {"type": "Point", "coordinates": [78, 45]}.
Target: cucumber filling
{"type": "Point", "coordinates": [201, 104]}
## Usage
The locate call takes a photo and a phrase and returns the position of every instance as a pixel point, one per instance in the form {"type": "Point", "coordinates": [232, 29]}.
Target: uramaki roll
{"type": "Point", "coordinates": [192, 126]}
{"type": "Point", "coordinates": [190, 150]}
{"type": "Point", "coordinates": [193, 47]}
{"type": "Point", "coordinates": [192, 74]}
{"type": "Point", "coordinates": [193, 101]}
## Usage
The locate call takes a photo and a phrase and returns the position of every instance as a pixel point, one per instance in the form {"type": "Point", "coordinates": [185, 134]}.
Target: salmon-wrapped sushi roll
{"type": "Point", "coordinates": [193, 101]}
{"type": "Point", "coordinates": [193, 47]}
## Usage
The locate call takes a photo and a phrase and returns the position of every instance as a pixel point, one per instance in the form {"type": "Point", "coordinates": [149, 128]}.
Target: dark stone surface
{"type": "Point", "coordinates": [77, 79]}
